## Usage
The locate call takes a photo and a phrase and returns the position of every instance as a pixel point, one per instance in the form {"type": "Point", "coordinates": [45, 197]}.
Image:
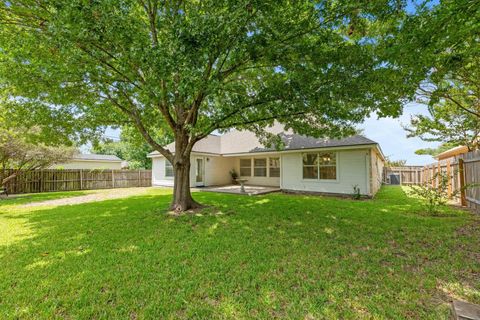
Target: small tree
{"type": "Point", "coordinates": [18, 154]}
{"type": "Point", "coordinates": [432, 194]}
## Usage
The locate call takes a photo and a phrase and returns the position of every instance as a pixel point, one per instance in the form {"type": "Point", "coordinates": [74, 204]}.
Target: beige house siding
{"type": "Point", "coordinates": [89, 165]}
{"type": "Point", "coordinates": [351, 170]}
{"type": "Point", "coordinates": [376, 176]}
{"type": "Point", "coordinates": [217, 170]}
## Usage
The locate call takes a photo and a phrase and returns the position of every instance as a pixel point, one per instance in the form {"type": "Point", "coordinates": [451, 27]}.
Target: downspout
{"type": "Point", "coordinates": [369, 173]}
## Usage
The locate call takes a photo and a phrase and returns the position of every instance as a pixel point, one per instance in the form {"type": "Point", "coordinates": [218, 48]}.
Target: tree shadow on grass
{"type": "Point", "coordinates": [18, 199]}
{"type": "Point", "coordinates": [263, 257]}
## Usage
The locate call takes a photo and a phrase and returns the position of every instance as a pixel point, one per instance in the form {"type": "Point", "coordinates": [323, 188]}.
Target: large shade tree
{"type": "Point", "coordinates": [193, 67]}
{"type": "Point", "coordinates": [444, 40]}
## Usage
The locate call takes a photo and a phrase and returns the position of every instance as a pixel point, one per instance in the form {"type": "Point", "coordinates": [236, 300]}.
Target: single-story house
{"type": "Point", "coordinates": [91, 162]}
{"type": "Point", "coordinates": [305, 164]}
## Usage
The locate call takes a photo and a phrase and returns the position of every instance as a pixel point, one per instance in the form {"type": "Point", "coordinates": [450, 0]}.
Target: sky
{"type": "Point", "coordinates": [391, 136]}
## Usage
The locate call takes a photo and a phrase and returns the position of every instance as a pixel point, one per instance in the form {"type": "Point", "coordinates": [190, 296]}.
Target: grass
{"type": "Point", "coordinates": [272, 256]}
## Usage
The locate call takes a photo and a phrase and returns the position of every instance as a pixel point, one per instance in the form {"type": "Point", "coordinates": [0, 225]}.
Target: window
{"type": "Point", "coordinates": [274, 167]}
{"type": "Point", "coordinates": [310, 166]}
{"type": "Point", "coordinates": [245, 167]}
{"type": "Point", "coordinates": [320, 166]}
{"type": "Point", "coordinates": [260, 167]}
{"type": "Point", "coordinates": [328, 166]}
{"type": "Point", "coordinates": [168, 169]}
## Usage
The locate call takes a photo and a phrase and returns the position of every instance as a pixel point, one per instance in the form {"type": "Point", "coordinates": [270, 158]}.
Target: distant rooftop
{"type": "Point", "coordinates": [98, 157]}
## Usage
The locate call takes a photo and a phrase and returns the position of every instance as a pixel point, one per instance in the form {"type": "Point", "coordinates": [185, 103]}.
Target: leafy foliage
{"type": "Point", "coordinates": [356, 192]}
{"type": "Point", "coordinates": [192, 67]}
{"type": "Point", "coordinates": [449, 124]}
{"type": "Point", "coordinates": [434, 191]}
{"type": "Point", "coordinates": [395, 163]}
{"type": "Point", "coordinates": [131, 147]}
{"type": "Point", "coordinates": [435, 151]}
{"type": "Point", "coordinates": [18, 154]}
{"type": "Point", "coordinates": [444, 41]}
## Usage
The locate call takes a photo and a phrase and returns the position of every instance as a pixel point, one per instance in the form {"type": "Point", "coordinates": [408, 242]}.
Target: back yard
{"type": "Point", "coordinates": [272, 256]}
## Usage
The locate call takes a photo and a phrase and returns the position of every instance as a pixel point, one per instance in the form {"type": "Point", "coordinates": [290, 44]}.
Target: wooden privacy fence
{"type": "Point", "coordinates": [471, 169]}
{"type": "Point", "coordinates": [76, 179]}
{"type": "Point", "coordinates": [462, 171]}
{"type": "Point", "coordinates": [403, 175]}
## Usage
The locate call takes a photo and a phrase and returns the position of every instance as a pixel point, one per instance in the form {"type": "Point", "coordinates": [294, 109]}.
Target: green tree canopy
{"type": "Point", "coordinates": [444, 41]}
{"type": "Point", "coordinates": [192, 67]}
{"type": "Point", "coordinates": [131, 147]}
{"type": "Point", "coordinates": [20, 152]}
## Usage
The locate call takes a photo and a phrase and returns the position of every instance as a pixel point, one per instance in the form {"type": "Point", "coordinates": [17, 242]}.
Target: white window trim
{"type": "Point", "coordinates": [318, 166]}
{"type": "Point", "coordinates": [240, 167]}
{"type": "Point", "coordinates": [279, 167]}
{"type": "Point", "coordinates": [266, 167]}
{"type": "Point", "coordinates": [165, 170]}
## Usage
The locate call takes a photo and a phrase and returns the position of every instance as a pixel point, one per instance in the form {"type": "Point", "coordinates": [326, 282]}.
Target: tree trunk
{"type": "Point", "coordinates": [182, 198]}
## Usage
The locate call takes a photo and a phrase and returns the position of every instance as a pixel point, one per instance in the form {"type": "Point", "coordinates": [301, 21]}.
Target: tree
{"type": "Point", "coordinates": [447, 123]}
{"type": "Point", "coordinates": [18, 154]}
{"type": "Point", "coordinates": [395, 163]}
{"type": "Point", "coordinates": [445, 42]}
{"type": "Point", "coordinates": [131, 147]}
{"type": "Point", "coordinates": [193, 67]}
{"type": "Point", "coordinates": [436, 151]}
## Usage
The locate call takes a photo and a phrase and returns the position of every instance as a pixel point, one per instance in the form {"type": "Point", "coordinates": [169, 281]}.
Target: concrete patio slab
{"type": "Point", "coordinates": [464, 310]}
{"type": "Point", "coordinates": [236, 189]}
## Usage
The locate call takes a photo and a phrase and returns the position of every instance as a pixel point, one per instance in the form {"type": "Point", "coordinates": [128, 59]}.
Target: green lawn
{"type": "Point", "coordinates": [273, 256]}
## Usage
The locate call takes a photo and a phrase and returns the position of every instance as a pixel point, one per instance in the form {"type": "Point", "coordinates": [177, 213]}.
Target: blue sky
{"type": "Point", "coordinates": [391, 136]}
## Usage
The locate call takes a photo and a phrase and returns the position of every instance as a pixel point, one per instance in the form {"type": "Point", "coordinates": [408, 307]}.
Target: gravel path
{"type": "Point", "coordinates": [99, 195]}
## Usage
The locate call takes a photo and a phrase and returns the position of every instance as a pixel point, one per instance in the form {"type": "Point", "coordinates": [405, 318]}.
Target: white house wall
{"type": "Point", "coordinates": [351, 170]}
{"type": "Point", "coordinates": [158, 173]}
{"type": "Point", "coordinates": [217, 171]}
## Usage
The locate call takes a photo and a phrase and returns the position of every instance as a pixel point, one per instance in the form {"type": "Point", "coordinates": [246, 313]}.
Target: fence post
{"type": "Point", "coordinates": [113, 179]}
{"type": "Point", "coordinates": [463, 199]}
{"type": "Point", "coordinates": [81, 179]}
{"type": "Point", "coordinates": [449, 185]}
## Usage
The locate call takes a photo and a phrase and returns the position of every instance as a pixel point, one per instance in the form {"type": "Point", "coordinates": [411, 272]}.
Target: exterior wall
{"type": "Point", "coordinates": [217, 171]}
{"type": "Point", "coordinates": [158, 173]}
{"type": "Point", "coordinates": [352, 169]}
{"type": "Point", "coordinates": [89, 164]}
{"type": "Point", "coordinates": [259, 181]}
{"type": "Point", "coordinates": [377, 166]}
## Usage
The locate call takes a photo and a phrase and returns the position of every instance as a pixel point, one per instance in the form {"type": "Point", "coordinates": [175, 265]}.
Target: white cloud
{"type": "Point", "coordinates": [391, 136]}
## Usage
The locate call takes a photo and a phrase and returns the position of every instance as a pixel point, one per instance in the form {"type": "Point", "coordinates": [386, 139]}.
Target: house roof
{"type": "Point", "coordinates": [298, 142]}
{"type": "Point", "coordinates": [451, 153]}
{"type": "Point", "coordinates": [97, 157]}
{"type": "Point", "coordinates": [245, 142]}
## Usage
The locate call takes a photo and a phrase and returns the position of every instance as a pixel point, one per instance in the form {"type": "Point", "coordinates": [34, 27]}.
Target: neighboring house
{"type": "Point", "coordinates": [305, 164]}
{"type": "Point", "coordinates": [452, 154]}
{"type": "Point", "coordinates": [91, 161]}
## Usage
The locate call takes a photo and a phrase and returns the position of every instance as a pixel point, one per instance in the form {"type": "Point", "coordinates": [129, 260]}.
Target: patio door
{"type": "Point", "coordinates": [199, 172]}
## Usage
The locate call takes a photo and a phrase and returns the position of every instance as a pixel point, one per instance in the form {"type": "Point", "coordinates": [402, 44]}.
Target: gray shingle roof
{"type": "Point", "coordinates": [298, 142]}
{"type": "Point", "coordinates": [101, 157]}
